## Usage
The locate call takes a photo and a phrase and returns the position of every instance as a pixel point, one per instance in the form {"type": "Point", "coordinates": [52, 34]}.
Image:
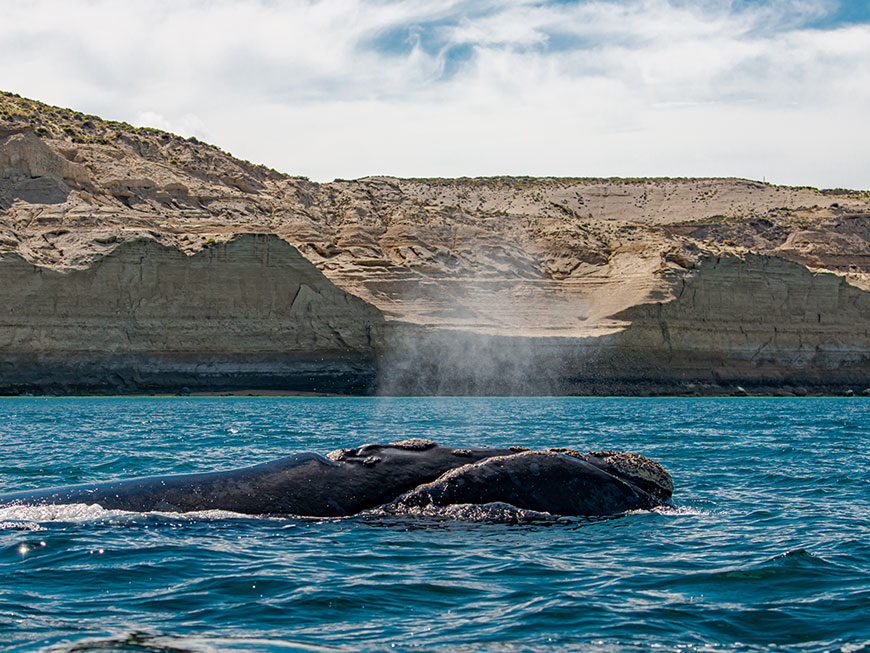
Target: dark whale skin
{"type": "Point", "coordinates": [408, 473]}
{"type": "Point", "coordinates": [544, 481]}
{"type": "Point", "coordinates": [347, 482]}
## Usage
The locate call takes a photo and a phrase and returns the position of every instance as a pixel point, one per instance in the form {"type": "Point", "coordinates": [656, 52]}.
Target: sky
{"type": "Point", "coordinates": [775, 90]}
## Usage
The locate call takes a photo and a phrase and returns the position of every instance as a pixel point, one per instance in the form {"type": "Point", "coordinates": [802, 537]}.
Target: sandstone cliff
{"type": "Point", "coordinates": [754, 320]}
{"type": "Point", "coordinates": [466, 285]}
{"type": "Point", "coordinates": [249, 313]}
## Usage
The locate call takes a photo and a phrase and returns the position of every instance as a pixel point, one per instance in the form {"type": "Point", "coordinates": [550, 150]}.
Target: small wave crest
{"type": "Point", "coordinates": [20, 526]}
{"type": "Point", "coordinates": [785, 569]}
{"type": "Point", "coordinates": [785, 565]}
{"type": "Point", "coordinates": [679, 511]}
{"type": "Point", "coordinates": [160, 643]}
{"type": "Point", "coordinates": [30, 517]}
{"type": "Point", "coordinates": [796, 557]}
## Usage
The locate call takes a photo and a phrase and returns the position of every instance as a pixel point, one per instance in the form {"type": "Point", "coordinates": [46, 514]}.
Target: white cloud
{"type": "Point", "coordinates": [189, 124]}
{"type": "Point", "coordinates": [345, 88]}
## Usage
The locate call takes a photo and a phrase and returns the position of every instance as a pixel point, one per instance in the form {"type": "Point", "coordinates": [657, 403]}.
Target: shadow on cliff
{"type": "Point", "coordinates": [32, 190]}
{"type": "Point", "coordinates": [32, 172]}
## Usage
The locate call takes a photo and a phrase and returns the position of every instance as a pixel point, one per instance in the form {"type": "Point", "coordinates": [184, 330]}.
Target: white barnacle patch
{"type": "Point", "coordinates": [633, 464]}
{"type": "Point", "coordinates": [414, 444]}
{"type": "Point", "coordinates": [340, 454]}
{"type": "Point", "coordinates": [568, 452]}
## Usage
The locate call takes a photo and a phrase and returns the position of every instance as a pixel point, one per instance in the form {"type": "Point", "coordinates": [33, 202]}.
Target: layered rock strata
{"type": "Point", "coordinates": [248, 313]}
{"type": "Point", "coordinates": [462, 286]}
{"type": "Point", "coordinates": [756, 322]}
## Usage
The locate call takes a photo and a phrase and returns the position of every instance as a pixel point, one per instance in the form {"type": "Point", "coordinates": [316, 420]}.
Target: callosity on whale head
{"type": "Point", "coordinates": [642, 471]}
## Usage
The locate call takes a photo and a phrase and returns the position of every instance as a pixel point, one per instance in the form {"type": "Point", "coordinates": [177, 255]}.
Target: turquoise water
{"type": "Point", "coordinates": [768, 546]}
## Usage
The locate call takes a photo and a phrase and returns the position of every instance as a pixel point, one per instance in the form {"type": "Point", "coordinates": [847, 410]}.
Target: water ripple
{"type": "Point", "coordinates": [765, 548]}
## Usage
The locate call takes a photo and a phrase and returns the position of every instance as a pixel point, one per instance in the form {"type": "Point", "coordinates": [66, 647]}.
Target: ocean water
{"type": "Point", "coordinates": [766, 548]}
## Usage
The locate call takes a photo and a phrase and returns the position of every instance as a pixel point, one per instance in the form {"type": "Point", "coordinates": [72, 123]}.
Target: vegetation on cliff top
{"type": "Point", "coordinates": [60, 123]}
{"type": "Point", "coordinates": [75, 127]}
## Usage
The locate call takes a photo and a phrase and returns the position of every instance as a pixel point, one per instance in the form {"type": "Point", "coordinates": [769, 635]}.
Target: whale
{"type": "Point", "coordinates": [397, 476]}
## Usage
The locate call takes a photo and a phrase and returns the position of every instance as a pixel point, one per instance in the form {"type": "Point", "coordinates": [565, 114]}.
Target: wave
{"type": "Point", "coordinates": [159, 643]}
{"type": "Point", "coordinates": [797, 566]}
{"type": "Point", "coordinates": [31, 517]}
{"type": "Point", "coordinates": [679, 511]}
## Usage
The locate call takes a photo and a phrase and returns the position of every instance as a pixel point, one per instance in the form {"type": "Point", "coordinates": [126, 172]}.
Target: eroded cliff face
{"type": "Point", "coordinates": [249, 313]}
{"type": "Point", "coordinates": [494, 285]}
{"type": "Point", "coordinates": [758, 321]}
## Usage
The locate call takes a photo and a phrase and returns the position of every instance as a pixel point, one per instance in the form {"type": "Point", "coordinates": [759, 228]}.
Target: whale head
{"type": "Point", "coordinates": [640, 470]}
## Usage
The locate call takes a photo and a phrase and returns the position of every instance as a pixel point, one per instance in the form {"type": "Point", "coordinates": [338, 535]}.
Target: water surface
{"type": "Point", "coordinates": [768, 546]}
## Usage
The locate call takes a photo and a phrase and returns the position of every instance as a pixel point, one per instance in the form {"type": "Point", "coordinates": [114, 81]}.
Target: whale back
{"type": "Point", "coordinates": [258, 489]}
{"type": "Point", "coordinates": [375, 474]}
